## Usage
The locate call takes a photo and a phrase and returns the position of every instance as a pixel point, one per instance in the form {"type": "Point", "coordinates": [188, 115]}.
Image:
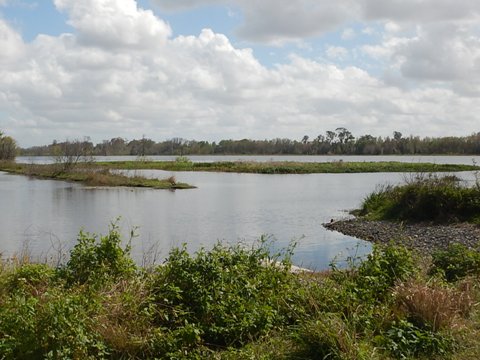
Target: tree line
{"type": "Point", "coordinates": [333, 142]}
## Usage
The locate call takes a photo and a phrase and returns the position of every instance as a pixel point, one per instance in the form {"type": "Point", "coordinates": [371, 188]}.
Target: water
{"type": "Point", "coordinates": [46, 215]}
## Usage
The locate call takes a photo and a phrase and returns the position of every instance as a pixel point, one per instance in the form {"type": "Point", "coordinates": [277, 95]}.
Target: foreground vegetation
{"type": "Point", "coordinates": [90, 175]}
{"type": "Point", "coordinates": [286, 167]}
{"type": "Point", "coordinates": [234, 302]}
{"type": "Point", "coordinates": [425, 198]}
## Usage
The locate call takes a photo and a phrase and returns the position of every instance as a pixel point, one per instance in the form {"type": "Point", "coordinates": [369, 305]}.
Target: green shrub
{"type": "Point", "coordinates": [231, 295]}
{"type": "Point", "coordinates": [456, 262]}
{"type": "Point", "coordinates": [18, 333]}
{"type": "Point", "coordinates": [31, 278]}
{"type": "Point", "coordinates": [65, 326]}
{"type": "Point", "coordinates": [378, 273]}
{"type": "Point", "coordinates": [96, 259]}
{"type": "Point", "coordinates": [183, 162]}
{"type": "Point", "coordinates": [56, 326]}
{"type": "Point", "coordinates": [404, 340]}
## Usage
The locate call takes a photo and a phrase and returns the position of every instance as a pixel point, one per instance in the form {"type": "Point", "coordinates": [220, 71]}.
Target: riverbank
{"type": "Point", "coordinates": [426, 237]}
{"type": "Point", "coordinates": [288, 167]}
{"type": "Point", "coordinates": [90, 175]}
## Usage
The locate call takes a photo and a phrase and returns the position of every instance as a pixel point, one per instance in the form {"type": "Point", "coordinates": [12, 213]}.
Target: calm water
{"type": "Point", "coordinates": [46, 215]}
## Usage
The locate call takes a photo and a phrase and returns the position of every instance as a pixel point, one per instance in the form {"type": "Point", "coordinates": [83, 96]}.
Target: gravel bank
{"type": "Point", "coordinates": [426, 237]}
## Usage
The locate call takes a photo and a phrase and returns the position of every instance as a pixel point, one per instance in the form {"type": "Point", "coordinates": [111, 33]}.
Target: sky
{"type": "Point", "coordinates": [234, 69]}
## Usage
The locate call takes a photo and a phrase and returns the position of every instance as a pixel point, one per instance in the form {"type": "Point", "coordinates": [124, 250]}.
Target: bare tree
{"type": "Point", "coordinates": [70, 153]}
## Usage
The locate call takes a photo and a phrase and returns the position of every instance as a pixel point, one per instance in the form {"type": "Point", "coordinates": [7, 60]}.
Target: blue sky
{"type": "Point", "coordinates": [215, 69]}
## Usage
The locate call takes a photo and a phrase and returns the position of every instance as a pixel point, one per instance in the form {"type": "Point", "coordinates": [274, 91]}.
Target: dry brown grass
{"type": "Point", "coordinates": [435, 304]}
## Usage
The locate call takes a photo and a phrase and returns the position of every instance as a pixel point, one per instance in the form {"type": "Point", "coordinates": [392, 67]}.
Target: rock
{"type": "Point", "coordinates": [423, 236]}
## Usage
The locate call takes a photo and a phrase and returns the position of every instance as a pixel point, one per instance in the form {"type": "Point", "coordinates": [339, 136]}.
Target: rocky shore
{"type": "Point", "coordinates": [425, 237]}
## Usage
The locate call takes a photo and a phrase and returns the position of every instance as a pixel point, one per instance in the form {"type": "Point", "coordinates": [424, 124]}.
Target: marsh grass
{"type": "Point", "coordinates": [288, 167]}
{"type": "Point", "coordinates": [91, 175]}
{"type": "Point", "coordinates": [429, 198]}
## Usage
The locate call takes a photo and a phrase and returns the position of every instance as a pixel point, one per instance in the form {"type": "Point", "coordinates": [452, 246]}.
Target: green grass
{"type": "Point", "coordinates": [235, 302]}
{"type": "Point", "coordinates": [288, 167]}
{"type": "Point", "coordinates": [425, 198]}
{"type": "Point", "coordinates": [90, 175]}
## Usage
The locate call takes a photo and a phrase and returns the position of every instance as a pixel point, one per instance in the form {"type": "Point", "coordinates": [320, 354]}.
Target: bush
{"type": "Point", "coordinates": [229, 295]}
{"type": "Point", "coordinates": [405, 340]}
{"type": "Point", "coordinates": [54, 326]}
{"type": "Point", "coordinates": [456, 262]}
{"type": "Point", "coordinates": [30, 278]}
{"type": "Point", "coordinates": [382, 269]}
{"type": "Point", "coordinates": [96, 259]}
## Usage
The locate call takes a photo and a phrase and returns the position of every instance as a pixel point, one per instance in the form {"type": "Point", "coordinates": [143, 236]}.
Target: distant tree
{"type": "Point", "coordinates": [305, 139]}
{"type": "Point", "coordinates": [330, 136]}
{"type": "Point", "coordinates": [345, 140]}
{"type": "Point", "coordinates": [366, 145]}
{"type": "Point", "coordinates": [343, 135]}
{"type": "Point", "coordinates": [8, 147]}
{"type": "Point", "coordinates": [397, 135]}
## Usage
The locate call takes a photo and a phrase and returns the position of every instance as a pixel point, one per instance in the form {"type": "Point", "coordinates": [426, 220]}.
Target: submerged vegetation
{"type": "Point", "coordinates": [425, 198]}
{"type": "Point", "coordinates": [90, 175]}
{"type": "Point", "coordinates": [287, 167]}
{"type": "Point", "coordinates": [236, 302]}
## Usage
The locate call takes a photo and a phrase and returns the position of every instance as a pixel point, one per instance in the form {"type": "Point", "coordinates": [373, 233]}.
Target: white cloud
{"type": "Point", "coordinates": [337, 52]}
{"type": "Point", "coordinates": [442, 53]}
{"type": "Point", "coordinates": [114, 23]}
{"type": "Point", "coordinates": [348, 34]}
{"type": "Point", "coordinates": [122, 74]}
{"type": "Point", "coordinates": [392, 27]}
{"type": "Point", "coordinates": [11, 44]}
{"type": "Point", "coordinates": [419, 10]}
{"type": "Point", "coordinates": [265, 21]}
{"type": "Point", "coordinates": [446, 55]}
{"type": "Point", "coordinates": [268, 22]}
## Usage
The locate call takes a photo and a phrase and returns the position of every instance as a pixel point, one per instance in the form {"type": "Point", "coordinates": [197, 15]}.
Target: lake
{"type": "Point", "coordinates": [45, 216]}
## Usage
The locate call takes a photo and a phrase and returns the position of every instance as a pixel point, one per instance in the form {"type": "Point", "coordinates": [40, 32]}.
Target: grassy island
{"type": "Point", "coordinates": [425, 198]}
{"type": "Point", "coordinates": [235, 302]}
{"type": "Point", "coordinates": [288, 167]}
{"type": "Point", "coordinates": [90, 175]}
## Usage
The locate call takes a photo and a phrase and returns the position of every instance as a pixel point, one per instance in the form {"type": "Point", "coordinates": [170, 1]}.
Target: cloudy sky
{"type": "Point", "coordinates": [221, 69]}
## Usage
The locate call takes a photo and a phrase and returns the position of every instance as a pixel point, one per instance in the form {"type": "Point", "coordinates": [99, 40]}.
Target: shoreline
{"type": "Point", "coordinates": [426, 237]}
